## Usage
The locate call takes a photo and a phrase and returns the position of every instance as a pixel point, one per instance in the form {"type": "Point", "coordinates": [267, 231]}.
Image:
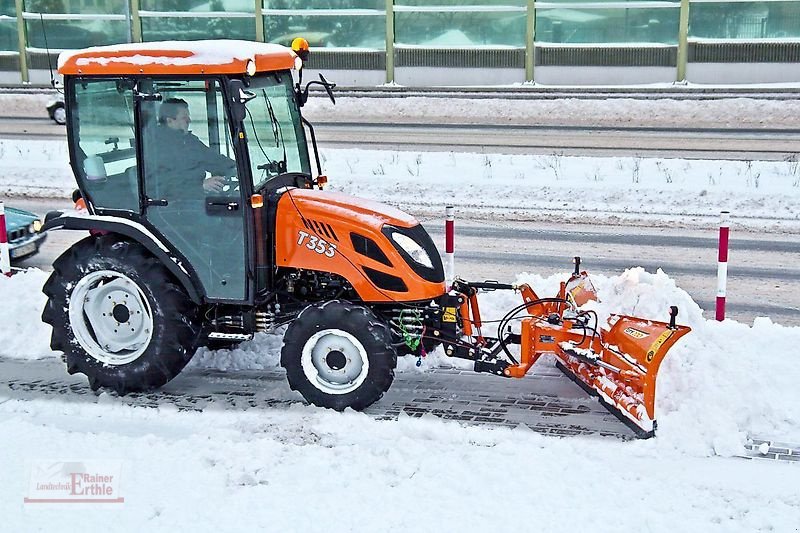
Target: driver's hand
{"type": "Point", "coordinates": [214, 184]}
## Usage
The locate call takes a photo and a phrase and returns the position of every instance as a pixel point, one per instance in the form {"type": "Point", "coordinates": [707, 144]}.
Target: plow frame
{"type": "Point", "coordinates": [619, 365]}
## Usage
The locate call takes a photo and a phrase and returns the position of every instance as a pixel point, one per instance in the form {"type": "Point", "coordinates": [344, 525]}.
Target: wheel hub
{"type": "Point", "coordinates": [110, 317]}
{"type": "Point", "coordinates": [121, 313]}
{"type": "Point", "coordinates": [335, 361]}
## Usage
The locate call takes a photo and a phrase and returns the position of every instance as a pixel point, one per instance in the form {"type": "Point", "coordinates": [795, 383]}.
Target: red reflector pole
{"type": "Point", "coordinates": [5, 259]}
{"type": "Point", "coordinates": [449, 245]}
{"type": "Point", "coordinates": [722, 265]}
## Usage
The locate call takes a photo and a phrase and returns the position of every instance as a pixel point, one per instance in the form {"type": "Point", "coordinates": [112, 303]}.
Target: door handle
{"type": "Point", "coordinates": [149, 202]}
{"type": "Point", "coordinates": [221, 205]}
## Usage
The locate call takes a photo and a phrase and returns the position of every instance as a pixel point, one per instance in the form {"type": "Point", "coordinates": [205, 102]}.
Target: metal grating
{"type": "Point", "coordinates": [606, 56]}
{"type": "Point", "coordinates": [460, 58]}
{"type": "Point", "coordinates": [9, 63]}
{"type": "Point", "coordinates": [346, 60]}
{"type": "Point", "coordinates": [744, 52]}
{"type": "Point", "coordinates": [37, 60]}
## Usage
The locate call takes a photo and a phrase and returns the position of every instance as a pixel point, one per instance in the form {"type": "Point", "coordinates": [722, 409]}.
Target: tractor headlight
{"type": "Point", "coordinates": [35, 227]}
{"type": "Point", "coordinates": [412, 248]}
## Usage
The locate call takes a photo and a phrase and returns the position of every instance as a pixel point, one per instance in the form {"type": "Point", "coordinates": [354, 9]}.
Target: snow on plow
{"type": "Point", "coordinates": [618, 364]}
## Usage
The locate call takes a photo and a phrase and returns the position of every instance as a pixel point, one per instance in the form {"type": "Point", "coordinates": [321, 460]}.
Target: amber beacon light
{"type": "Point", "coordinates": [300, 47]}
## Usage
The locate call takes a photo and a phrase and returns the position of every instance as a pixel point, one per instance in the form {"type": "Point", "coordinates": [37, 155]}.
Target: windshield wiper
{"type": "Point", "coordinates": [276, 127]}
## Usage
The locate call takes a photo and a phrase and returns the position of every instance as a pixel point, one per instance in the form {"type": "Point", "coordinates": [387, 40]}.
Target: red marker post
{"type": "Point", "coordinates": [449, 245]}
{"type": "Point", "coordinates": [5, 259]}
{"type": "Point", "coordinates": [722, 265]}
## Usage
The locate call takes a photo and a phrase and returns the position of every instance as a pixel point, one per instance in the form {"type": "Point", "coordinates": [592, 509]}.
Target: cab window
{"type": "Point", "coordinates": [275, 138]}
{"type": "Point", "coordinates": [105, 156]}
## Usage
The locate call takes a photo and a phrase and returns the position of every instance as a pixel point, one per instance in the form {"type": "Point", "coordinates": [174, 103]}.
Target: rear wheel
{"type": "Point", "coordinates": [339, 355]}
{"type": "Point", "coordinates": [118, 316]}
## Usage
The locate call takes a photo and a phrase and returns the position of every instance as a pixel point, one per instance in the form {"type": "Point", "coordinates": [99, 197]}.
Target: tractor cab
{"type": "Point", "coordinates": [179, 136]}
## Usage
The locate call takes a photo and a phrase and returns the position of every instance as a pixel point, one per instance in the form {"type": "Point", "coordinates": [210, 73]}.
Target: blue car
{"type": "Point", "coordinates": [22, 229]}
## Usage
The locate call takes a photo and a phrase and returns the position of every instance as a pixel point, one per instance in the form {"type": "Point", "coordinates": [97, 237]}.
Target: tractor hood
{"type": "Point", "coordinates": [17, 218]}
{"type": "Point", "coordinates": [385, 254]}
{"type": "Point", "coordinates": [344, 206]}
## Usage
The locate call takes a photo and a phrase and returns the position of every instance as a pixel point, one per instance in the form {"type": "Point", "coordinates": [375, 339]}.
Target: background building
{"type": "Point", "coordinates": [441, 42]}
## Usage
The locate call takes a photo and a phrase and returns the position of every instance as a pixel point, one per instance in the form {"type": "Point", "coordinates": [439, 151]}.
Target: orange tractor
{"type": "Point", "coordinates": [207, 225]}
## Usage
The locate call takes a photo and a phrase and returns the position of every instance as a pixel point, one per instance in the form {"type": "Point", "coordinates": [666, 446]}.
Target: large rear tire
{"type": "Point", "coordinates": [339, 355]}
{"type": "Point", "coordinates": [118, 315]}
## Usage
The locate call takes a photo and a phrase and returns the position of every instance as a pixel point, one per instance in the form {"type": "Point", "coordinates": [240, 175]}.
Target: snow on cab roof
{"type": "Point", "coordinates": [177, 57]}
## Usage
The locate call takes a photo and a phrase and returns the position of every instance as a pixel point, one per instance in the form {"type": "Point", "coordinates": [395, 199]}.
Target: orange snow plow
{"type": "Point", "coordinates": [619, 364]}
{"type": "Point", "coordinates": [186, 260]}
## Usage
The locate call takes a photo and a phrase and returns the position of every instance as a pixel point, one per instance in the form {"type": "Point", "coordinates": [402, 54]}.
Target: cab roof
{"type": "Point", "coordinates": [176, 57]}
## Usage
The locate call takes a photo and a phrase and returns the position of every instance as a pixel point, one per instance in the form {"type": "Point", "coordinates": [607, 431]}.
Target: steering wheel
{"type": "Point", "coordinates": [231, 185]}
{"type": "Point", "coordinates": [300, 180]}
{"type": "Point", "coordinates": [273, 167]}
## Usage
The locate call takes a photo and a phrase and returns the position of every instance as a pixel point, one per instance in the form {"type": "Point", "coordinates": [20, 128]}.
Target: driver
{"type": "Point", "coordinates": [182, 159]}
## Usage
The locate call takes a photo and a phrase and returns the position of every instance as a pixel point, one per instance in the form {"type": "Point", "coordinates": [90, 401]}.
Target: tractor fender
{"type": "Point", "coordinates": [139, 233]}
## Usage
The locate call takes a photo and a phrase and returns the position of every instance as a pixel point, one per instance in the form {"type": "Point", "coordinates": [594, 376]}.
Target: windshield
{"type": "Point", "coordinates": [275, 137]}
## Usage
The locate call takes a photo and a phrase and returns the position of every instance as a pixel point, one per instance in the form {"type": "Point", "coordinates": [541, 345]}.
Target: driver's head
{"type": "Point", "coordinates": [174, 114]}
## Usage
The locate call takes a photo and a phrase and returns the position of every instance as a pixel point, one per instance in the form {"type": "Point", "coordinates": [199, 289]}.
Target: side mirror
{"type": "Point", "coordinates": [302, 97]}
{"type": "Point", "coordinates": [239, 98]}
{"type": "Point", "coordinates": [328, 88]}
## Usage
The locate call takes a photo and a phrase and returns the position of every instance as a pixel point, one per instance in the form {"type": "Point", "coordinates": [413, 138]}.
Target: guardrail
{"type": "Point", "coordinates": [382, 35]}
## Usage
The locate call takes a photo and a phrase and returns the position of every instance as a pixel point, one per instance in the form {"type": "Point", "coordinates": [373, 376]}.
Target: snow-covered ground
{"type": "Point", "coordinates": [305, 469]}
{"type": "Point", "coordinates": [761, 195]}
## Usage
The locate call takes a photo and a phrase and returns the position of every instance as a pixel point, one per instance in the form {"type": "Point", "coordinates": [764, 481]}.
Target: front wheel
{"type": "Point", "coordinates": [339, 355]}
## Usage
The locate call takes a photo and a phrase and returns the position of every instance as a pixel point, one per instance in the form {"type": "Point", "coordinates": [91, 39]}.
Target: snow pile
{"type": "Point", "coordinates": [263, 352]}
{"type": "Point", "coordinates": [23, 335]}
{"type": "Point", "coordinates": [720, 382]}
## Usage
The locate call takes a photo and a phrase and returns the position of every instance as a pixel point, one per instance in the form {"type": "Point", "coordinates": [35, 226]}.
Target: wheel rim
{"type": "Point", "coordinates": [60, 115]}
{"type": "Point", "coordinates": [334, 361]}
{"type": "Point", "coordinates": [110, 317]}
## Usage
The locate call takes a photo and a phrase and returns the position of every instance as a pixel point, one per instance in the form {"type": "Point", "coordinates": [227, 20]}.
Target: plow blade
{"type": "Point", "coordinates": [620, 366]}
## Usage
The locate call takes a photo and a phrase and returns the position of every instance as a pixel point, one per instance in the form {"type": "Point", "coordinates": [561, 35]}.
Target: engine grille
{"type": "Point", "coordinates": [17, 234]}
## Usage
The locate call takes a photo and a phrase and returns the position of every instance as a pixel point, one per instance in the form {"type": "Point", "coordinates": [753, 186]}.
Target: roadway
{"type": "Point", "coordinates": [768, 144]}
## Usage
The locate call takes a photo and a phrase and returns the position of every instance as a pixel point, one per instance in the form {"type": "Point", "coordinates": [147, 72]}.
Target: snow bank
{"type": "Point", "coordinates": [662, 112]}
{"type": "Point", "coordinates": [23, 335]}
{"type": "Point", "coordinates": [35, 168]}
{"type": "Point", "coordinates": [759, 194]}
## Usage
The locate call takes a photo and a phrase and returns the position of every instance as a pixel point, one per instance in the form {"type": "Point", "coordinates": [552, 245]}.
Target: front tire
{"type": "Point", "coordinates": [118, 316]}
{"type": "Point", "coordinates": [339, 355]}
